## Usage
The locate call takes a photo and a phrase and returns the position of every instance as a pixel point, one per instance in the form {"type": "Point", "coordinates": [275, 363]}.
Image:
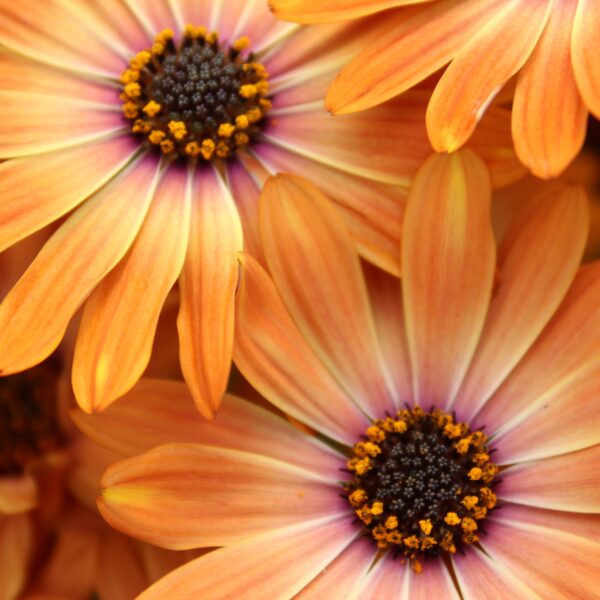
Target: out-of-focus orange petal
{"type": "Point", "coordinates": [584, 53]}
{"type": "Point", "coordinates": [317, 272]}
{"type": "Point", "coordinates": [35, 313]}
{"type": "Point", "coordinates": [538, 262]}
{"type": "Point", "coordinates": [16, 546]}
{"type": "Point", "coordinates": [424, 40]}
{"type": "Point", "coordinates": [188, 495]}
{"type": "Point", "coordinates": [207, 284]}
{"type": "Point", "coordinates": [448, 262]}
{"type": "Point", "coordinates": [276, 359]}
{"type": "Point", "coordinates": [120, 317]}
{"type": "Point", "coordinates": [278, 564]}
{"type": "Point", "coordinates": [481, 68]}
{"type": "Point", "coordinates": [549, 118]}
{"type": "Point", "coordinates": [18, 494]}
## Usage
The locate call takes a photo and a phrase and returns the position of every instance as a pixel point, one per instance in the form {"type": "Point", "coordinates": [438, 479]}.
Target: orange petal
{"type": "Point", "coordinates": [568, 482]}
{"type": "Point", "coordinates": [34, 123]}
{"type": "Point", "coordinates": [18, 493]}
{"type": "Point", "coordinates": [276, 359]}
{"type": "Point", "coordinates": [313, 263]}
{"type": "Point", "coordinates": [423, 40]}
{"type": "Point", "coordinates": [275, 565]}
{"type": "Point", "coordinates": [16, 545]}
{"type": "Point", "coordinates": [448, 261]}
{"type": "Point", "coordinates": [538, 261]}
{"type": "Point", "coordinates": [207, 284]}
{"type": "Point", "coordinates": [156, 15]}
{"type": "Point", "coordinates": [156, 412]}
{"type": "Point", "coordinates": [549, 117]}
{"type": "Point", "coordinates": [187, 496]}
{"type": "Point", "coordinates": [35, 191]}
{"type": "Point", "coordinates": [120, 317]}
{"type": "Point", "coordinates": [35, 314]}
{"type": "Point", "coordinates": [481, 68]}
{"type": "Point", "coordinates": [583, 53]}
{"type": "Point", "coordinates": [322, 11]}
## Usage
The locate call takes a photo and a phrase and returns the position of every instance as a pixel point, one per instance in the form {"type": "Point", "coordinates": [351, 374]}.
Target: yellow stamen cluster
{"type": "Point", "coordinates": [418, 450]}
{"type": "Point", "coordinates": [194, 99]}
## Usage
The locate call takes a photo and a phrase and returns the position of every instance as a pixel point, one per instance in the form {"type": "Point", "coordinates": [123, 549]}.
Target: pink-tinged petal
{"type": "Point", "coordinates": [157, 412]}
{"type": "Point", "coordinates": [434, 582]}
{"type": "Point", "coordinates": [549, 118]}
{"type": "Point", "coordinates": [345, 576]}
{"type": "Point", "coordinates": [583, 53]}
{"type": "Point", "coordinates": [448, 262]}
{"type": "Point", "coordinates": [154, 16]}
{"type": "Point", "coordinates": [372, 211]}
{"type": "Point", "coordinates": [207, 284]}
{"type": "Point", "coordinates": [198, 12]}
{"type": "Point", "coordinates": [35, 313]}
{"type": "Point", "coordinates": [554, 564]}
{"type": "Point", "coordinates": [388, 581]}
{"type": "Point", "coordinates": [568, 482]}
{"type": "Point", "coordinates": [423, 40]}
{"type": "Point", "coordinates": [53, 33]}
{"type": "Point", "coordinates": [275, 565]}
{"type": "Point", "coordinates": [565, 350]}
{"type": "Point", "coordinates": [276, 359]}
{"type": "Point", "coordinates": [187, 496]}
{"type": "Point", "coordinates": [33, 123]}
{"type": "Point", "coordinates": [117, 328]}
{"type": "Point", "coordinates": [16, 546]}
{"type": "Point", "coordinates": [37, 190]}
{"type": "Point", "coordinates": [481, 68]}
{"type": "Point", "coordinates": [537, 263]}
{"type": "Point", "coordinates": [18, 494]}
{"type": "Point", "coordinates": [482, 578]}
{"type": "Point", "coordinates": [159, 562]}
{"type": "Point", "coordinates": [317, 272]}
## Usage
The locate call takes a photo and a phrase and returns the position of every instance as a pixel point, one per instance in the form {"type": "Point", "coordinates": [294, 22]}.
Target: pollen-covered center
{"type": "Point", "coordinates": [421, 483]}
{"type": "Point", "coordinates": [29, 424]}
{"type": "Point", "coordinates": [195, 98]}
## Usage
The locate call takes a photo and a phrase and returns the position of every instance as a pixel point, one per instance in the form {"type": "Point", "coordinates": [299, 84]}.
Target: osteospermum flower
{"type": "Point", "coordinates": [150, 125]}
{"type": "Point", "coordinates": [435, 402]}
{"type": "Point", "coordinates": [549, 45]}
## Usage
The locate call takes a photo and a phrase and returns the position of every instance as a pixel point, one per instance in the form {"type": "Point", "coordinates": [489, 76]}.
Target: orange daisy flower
{"type": "Point", "coordinates": [549, 45]}
{"type": "Point", "coordinates": [435, 400]}
{"type": "Point", "coordinates": [151, 138]}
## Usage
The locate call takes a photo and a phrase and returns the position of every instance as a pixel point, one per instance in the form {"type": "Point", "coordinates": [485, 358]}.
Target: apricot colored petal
{"type": "Point", "coordinates": [437, 583]}
{"type": "Point", "coordinates": [16, 546]}
{"type": "Point", "coordinates": [372, 211]}
{"type": "Point", "coordinates": [568, 482]}
{"type": "Point", "coordinates": [537, 263]}
{"type": "Point", "coordinates": [276, 359]}
{"type": "Point", "coordinates": [182, 496]}
{"type": "Point", "coordinates": [481, 68]}
{"type": "Point", "coordinates": [482, 578]}
{"type": "Point", "coordinates": [35, 313]}
{"type": "Point", "coordinates": [565, 351]}
{"type": "Point", "coordinates": [322, 11]}
{"type": "Point", "coordinates": [423, 41]}
{"type": "Point", "coordinates": [156, 412]}
{"type": "Point", "coordinates": [156, 15]}
{"type": "Point", "coordinates": [276, 565]}
{"type": "Point", "coordinates": [448, 262]}
{"type": "Point", "coordinates": [549, 118]}
{"type": "Point", "coordinates": [119, 321]}
{"type": "Point", "coordinates": [583, 55]}
{"type": "Point", "coordinates": [388, 581]}
{"type": "Point", "coordinates": [35, 191]}
{"type": "Point", "coordinates": [18, 493]}
{"type": "Point", "coordinates": [313, 263]}
{"type": "Point", "coordinates": [553, 563]}
{"type": "Point", "coordinates": [34, 123]}
{"type": "Point", "coordinates": [207, 284]}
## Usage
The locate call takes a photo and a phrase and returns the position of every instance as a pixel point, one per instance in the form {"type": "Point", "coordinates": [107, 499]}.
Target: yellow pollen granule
{"type": "Point", "coordinates": [475, 474]}
{"type": "Point", "coordinates": [428, 542]}
{"type": "Point", "coordinates": [241, 139]}
{"type": "Point", "coordinates": [242, 122]}
{"type": "Point", "coordinates": [462, 446]}
{"type": "Point", "coordinates": [488, 498]}
{"type": "Point", "coordinates": [207, 149]}
{"type": "Point", "coordinates": [152, 108]}
{"type": "Point", "coordinates": [130, 110]}
{"type": "Point", "coordinates": [375, 434]}
{"type": "Point", "coordinates": [379, 532]}
{"type": "Point", "coordinates": [192, 149]}
{"type": "Point", "coordinates": [481, 458]}
{"type": "Point", "coordinates": [469, 524]}
{"type": "Point", "coordinates": [411, 541]}
{"type": "Point", "coordinates": [426, 526]}
{"type": "Point", "coordinates": [158, 49]}
{"type": "Point", "coordinates": [178, 129]}
{"type": "Point", "coordinates": [157, 136]}
{"type": "Point", "coordinates": [377, 508]}
{"type": "Point", "coordinates": [391, 522]}
{"type": "Point", "coordinates": [358, 497]}
{"type": "Point", "coordinates": [394, 537]}
{"type": "Point", "coordinates": [470, 501]}
{"type": "Point", "coordinates": [129, 76]}
{"type": "Point", "coordinates": [417, 567]}
{"type": "Point", "coordinates": [470, 538]}
{"type": "Point", "coordinates": [480, 512]}
{"type": "Point", "coordinates": [452, 518]}
{"type": "Point", "coordinates": [248, 90]}
{"type": "Point", "coordinates": [241, 44]}
{"type": "Point", "coordinates": [222, 150]}
{"type": "Point", "coordinates": [140, 60]}
{"type": "Point", "coordinates": [364, 514]}
{"type": "Point", "coordinates": [226, 130]}
{"type": "Point", "coordinates": [167, 146]}
{"type": "Point", "coordinates": [452, 430]}
{"type": "Point", "coordinates": [132, 90]}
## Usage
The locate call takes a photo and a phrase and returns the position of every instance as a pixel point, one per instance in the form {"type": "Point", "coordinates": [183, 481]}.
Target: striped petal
{"type": "Point", "coordinates": [448, 261]}
{"type": "Point", "coordinates": [583, 53]}
{"type": "Point", "coordinates": [187, 496]}
{"type": "Point", "coordinates": [155, 15]}
{"type": "Point", "coordinates": [388, 581]}
{"type": "Point", "coordinates": [437, 583]}
{"type": "Point", "coordinates": [207, 284]}
{"type": "Point", "coordinates": [549, 117]}
{"type": "Point", "coordinates": [314, 264]}
{"type": "Point", "coordinates": [119, 321]}
{"type": "Point", "coordinates": [16, 549]}
{"type": "Point", "coordinates": [35, 314]}
{"type": "Point", "coordinates": [481, 68]}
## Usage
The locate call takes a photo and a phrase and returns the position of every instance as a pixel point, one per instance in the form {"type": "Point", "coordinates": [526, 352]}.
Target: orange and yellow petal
{"type": "Point", "coordinates": [16, 552]}
{"type": "Point", "coordinates": [18, 494]}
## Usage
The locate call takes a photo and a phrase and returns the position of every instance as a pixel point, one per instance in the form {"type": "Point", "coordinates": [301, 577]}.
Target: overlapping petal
{"type": "Point", "coordinates": [583, 52]}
